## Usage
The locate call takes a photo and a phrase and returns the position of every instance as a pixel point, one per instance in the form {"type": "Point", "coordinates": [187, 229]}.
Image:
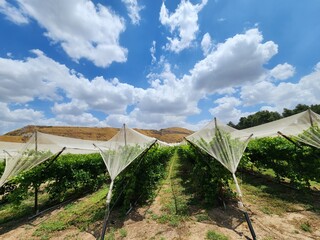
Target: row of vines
{"type": "Point", "coordinates": [205, 178]}
{"type": "Point", "coordinates": [288, 161]}
{"type": "Point", "coordinates": [74, 174]}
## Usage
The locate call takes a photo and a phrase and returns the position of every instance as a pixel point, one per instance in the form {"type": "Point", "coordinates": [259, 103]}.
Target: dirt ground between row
{"type": "Point", "coordinates": [139, 224]}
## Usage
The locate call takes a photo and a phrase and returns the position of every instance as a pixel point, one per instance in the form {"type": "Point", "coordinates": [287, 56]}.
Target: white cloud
{"type": "Point", "coordinates": [22, 81]}
{"type": "Point", "coordinates": [75, 108]}
{"type": "Point", "coordinates": [238, 60]}
{"type": "Point", "coordinates": [227, 109]}
{"type": "Point", "coordinates": [285, 94]}
{"type": "Point", "coordinates": [206, 44]}
{"type": "Point", "coordinates": [317, 67]}
{"type": "Point", "coordinates": [168, 95]}
{"type": "Point", "coordinates": [83, 29]}
{"type": "Point", "coordinates": [282, 71]}
{"type": "Point", "coordinates": [84, 119]}
{"type": "Point", "coordinates": [40, 77]}
{"type": "Point", "coordinates": [133, 9]}
{"type": "Point", "coordinates": [153, 52]}
{"type": "Point", "coordinates": [106, 96]}
{"type": "Point", "coordinates": [234, 67]}
{"type": "Point", "coordinates": [185, 21]}
{"type": "Point", "coordinates": [18, 117]}
{"type": "Point", "coordinates": [12, 13]}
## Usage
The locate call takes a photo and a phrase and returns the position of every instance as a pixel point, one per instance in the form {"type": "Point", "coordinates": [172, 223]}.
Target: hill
{"type": "Point", "coordinates": [170, 135]}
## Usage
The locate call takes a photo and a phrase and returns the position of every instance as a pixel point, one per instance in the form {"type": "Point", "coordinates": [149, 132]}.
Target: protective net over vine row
{"type": "Point", "coordinates": [223, 143]}
{"type": "Point", "coordinates": [303, 127]}
{"type": "Point", "coordinates": [40, 147]}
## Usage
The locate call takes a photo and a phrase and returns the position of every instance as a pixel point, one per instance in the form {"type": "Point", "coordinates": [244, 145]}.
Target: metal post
{"type": "Point", "coordinates": [36, 210]}
{"type": "Point", "coordinates": [36, 188]}
{"type": "Point", "coordinates": [253, 234]}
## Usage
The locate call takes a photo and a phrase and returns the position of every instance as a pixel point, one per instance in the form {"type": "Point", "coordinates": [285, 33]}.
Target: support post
{"type": "Point", "coordinates": [36, 210]}
{"type": "Point", "coordinates": [310, 117]}
{"type": "Point", "coordinates": [106, 216]}
{"type": "Point", "coordinates": [253, 234]}
{"type": "Point", "coordinates": [36, 140]}
{"type": "Point", "coordinates": [36, 187]}
{"type": "Point", "coordinates": [241, 206]}
{"type": "Point", "coordinates": [125, 134]}
{"type": "Point", "coordinates": [240, 203]}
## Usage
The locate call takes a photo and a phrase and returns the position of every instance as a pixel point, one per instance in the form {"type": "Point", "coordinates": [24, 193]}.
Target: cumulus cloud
{"type": "Point", "coordinates": [168, 95]}
{"type": "Point", "coordinates": [184, 21]}
{"type": "Point", "coordinates": [226, 109]}
{"type": "Point", "coordinates": [17, 117]}
{"type": "Point", "coordinates": [153, 52]}
{"type": "Point", "coordinates": [22, 80]}
{"type": "Point", "coordinates": [12, 13]}
{"type": "Point", "coordinates": [235, 67]}
{"type": "Point", "coordinates": [74, 108]}
{"type": "Point", "coordinates": [83, 29]}
{"type": "Point", "coordinates": [84, 119]}
{"type": "Point", "coordinates": [284, 94]}
{"type": "Point", "coordinates": [282, 71]}
{"type": "Point", "coordinates": [133, 9]}
{"type": "Point", "coordinates": [238, 60]}
{"type": "Point", "coordinates": [206, 44]}
{"type": "Point", "coordinates": [40, 77]}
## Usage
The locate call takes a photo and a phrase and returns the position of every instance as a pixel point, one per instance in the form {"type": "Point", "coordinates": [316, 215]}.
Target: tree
{"type": "Point", "coordinates": [300, 108]}
{"type": "Point", "coordinates": [257, 119]}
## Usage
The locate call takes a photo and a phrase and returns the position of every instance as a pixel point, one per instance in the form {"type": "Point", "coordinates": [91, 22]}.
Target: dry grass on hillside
{"type": "Point", "coordinates": [169, 135]}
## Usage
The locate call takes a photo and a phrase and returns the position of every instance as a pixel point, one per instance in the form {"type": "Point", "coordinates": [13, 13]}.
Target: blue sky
{"type": "Point", "coordinates": [154, 64]}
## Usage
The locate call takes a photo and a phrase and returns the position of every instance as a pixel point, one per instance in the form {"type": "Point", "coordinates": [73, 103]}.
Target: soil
{"type": "Point", "coordinates": [230, 222]}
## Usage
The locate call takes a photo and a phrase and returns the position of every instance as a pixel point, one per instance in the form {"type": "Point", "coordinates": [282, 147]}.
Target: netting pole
{"type": "Point", "coordinates": [106, 217]}
{"type": "Point", "coordinates": [253, 234]}
{"type": "Point", "coordinates": [240, 203]}
{"type": "Point", "coordinates": [36, 210]}
{"type": "Point", "coordinates": [36, 187]}
{"type": "Point", "coordinates": [125, 134]}
{"type": "Point", "coordinates": [36, 140]}
{"type": "Point", "coordinates": [310, 117]}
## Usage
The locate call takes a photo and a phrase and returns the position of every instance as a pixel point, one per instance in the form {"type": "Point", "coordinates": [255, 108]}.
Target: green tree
{"type": "Point", "coordinates": [257, 119]}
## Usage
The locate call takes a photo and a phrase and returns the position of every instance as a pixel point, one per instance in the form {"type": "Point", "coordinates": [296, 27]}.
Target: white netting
{"type": "Point", "coordinates": [122, 149]}
{"type": "Point", "coordinates": [223, 143]}
{"type": "Point", "coordinates": [73, 145]}
{"type": "Point", "coordinates": [8, 149]}
{"type": "Point", "coordinates": [27, 157]}
{"type": "Point", "coordinates": [303, 127]}
{"type": "Point", "coordinates": [23, 156]}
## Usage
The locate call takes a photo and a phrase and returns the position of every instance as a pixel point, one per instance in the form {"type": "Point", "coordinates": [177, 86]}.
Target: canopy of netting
{"type": "Point", "coordinates": [39, 148]}
{"type": "Point", "coordinates": [55, 143]}
{"type": "Point", "coordinates": [8, 149]}
{"type": "Point", "coordinates": [222, 142]}
{"type": "Point", "coordinates": [303, 127]}
{"type": "Point", "coordinates": [25, 158]}
{"type": "Point", "coordinates": [123, 148]}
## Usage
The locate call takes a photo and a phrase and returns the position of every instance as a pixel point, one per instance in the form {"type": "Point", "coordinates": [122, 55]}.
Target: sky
{"type": "Point", "coordinates": [155, 64]}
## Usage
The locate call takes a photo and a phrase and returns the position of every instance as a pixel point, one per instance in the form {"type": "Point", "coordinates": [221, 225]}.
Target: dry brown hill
{"type": "Point", "coordinates": [169, 135]}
